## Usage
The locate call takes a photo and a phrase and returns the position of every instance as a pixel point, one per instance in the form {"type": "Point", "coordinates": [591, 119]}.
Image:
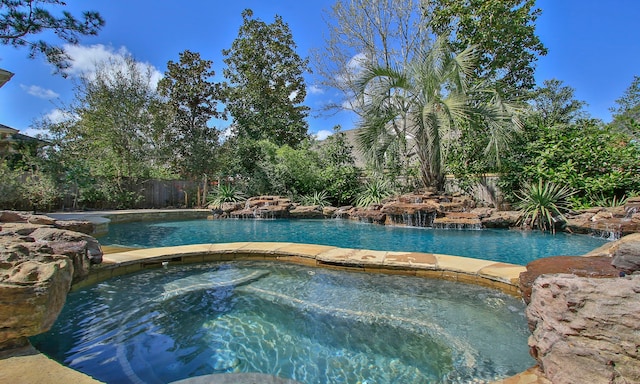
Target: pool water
{"type": "Point", "coordinates": [510, 246]}
{"type": "Point", "coordinates": [307, 324]}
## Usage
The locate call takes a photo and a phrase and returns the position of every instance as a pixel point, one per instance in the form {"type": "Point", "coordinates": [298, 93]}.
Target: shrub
{"type": "Point", "coordinates": [542, 204]}
{"type": "Point", "coordinates": [317, 198]}
{"type": "Point", "coordinates": [225, 193]}
{"type": "Point", "coordinates": [374, 192]}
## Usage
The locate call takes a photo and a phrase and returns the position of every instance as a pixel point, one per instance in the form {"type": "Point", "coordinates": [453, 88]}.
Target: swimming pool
{"type": "Point", "coordinates": [510, 246]}
{"type": "Point", "coordinates": [308, 324]}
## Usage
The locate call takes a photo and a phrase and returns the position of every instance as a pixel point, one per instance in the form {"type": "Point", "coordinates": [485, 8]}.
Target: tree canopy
{"type": "Point", "coordinates": [192, 100]}
{"type": "Point", "coordinates": [503, 32]}
{"type": "Point", "coordinates": [626, 115]}
{"type": "Point", "coordinates": [22, 19]}
{"type": "Point", "coordinates": [426, 107]}
{"type": "Point", "coordinates": [266, 88]}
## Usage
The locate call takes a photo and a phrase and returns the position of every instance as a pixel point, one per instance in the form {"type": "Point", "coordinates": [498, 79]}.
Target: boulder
{"type": "Point", "coordinates": [83, 249]}
{"type": "Point", "coordinates": [12, 217]}
{"type": "Point", "coordinates": [501, 219]}
{"type": "Point", "coordinates": [307, 212]}
{"type": "Point", "coordinates": [632, 206]}
{"type": "Point", "coordinates": [264, 207]}
{"type": "Point", "coordinates": [596, 266]}
{"type": "Point", "coordinates": [329, 211]}
{"type": "Point", "coordinates": [612, 222]}
{"type": "Point", "coordinates": [38, 264]}
{"type": "Point", "coordinates": [586, 330]}
{"type": "Point", "coordinates": [626, 253]}
{"type": "Point", "coordinates": [33, 288]}
{"type": "Point", "coordinates": [458, 220]}
{"type": "Point", "coordinates": [371, 214]}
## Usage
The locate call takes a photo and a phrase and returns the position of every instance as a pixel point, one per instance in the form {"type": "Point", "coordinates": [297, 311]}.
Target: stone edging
{"type": "Point", "coordinates": [502, 276]}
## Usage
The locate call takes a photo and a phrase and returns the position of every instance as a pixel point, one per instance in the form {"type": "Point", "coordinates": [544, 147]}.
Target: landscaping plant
{"type": "Point", "coordinates": [317, 198]}
{"type": "Point", "coordinates": [225, 193]}
{"type": "Point", "coordinates": [374, 192]}
{"type": "Point", "coordinates": [542, 204]}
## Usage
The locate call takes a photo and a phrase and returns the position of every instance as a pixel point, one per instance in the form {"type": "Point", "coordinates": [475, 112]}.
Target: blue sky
{"type": "Point", "coordinates": [594, 47]}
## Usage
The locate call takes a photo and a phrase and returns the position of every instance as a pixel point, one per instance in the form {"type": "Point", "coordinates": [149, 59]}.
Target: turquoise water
{"type": "Point", "coordinates": [312, 325]}
{"type": "Point", "coordinates": [516, 247]}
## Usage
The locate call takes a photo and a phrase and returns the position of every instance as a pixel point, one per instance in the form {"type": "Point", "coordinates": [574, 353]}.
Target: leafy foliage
{"type": "Point", "coordinates": [11, 186]}
{"type": "Point", "coordinates": [503, 32]}
{"type": "Point", "coordinates": [338, 171]}
{"type": "Point", "coordinates": [555, 104]}
{"type": "Point", "coordinates": [373, 192]}
{"type": "Point", "coordinates": [265, 86]}
{"type": "Point", "coordinates": [588, 157]}
{"type": "Point", "coordinates": [22, 18]}
{"type": "Point", "coordinates": [192, 100]}
{"type": "Point", "coordinates": [542, 204]}
{"type": "Point", "coordinates": [425, 109]}
{"type": "Point", "coordinates": [296, 171]}
{"type": "Point", "coordinates": [110, 133]}
{"type": "Point", "coordinates": [627, 113]}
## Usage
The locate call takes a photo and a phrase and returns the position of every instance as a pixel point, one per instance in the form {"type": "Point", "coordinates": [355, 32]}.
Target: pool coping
{"type": "Point", "coordinates": [493, 274]}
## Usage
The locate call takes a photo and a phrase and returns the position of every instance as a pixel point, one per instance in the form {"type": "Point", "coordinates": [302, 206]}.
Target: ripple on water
{"type": "Point", "coordinates": [311, 325]}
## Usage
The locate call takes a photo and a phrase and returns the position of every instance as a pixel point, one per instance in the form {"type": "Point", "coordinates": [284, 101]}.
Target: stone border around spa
{"type": "Point", "coordinates": [502, 276]}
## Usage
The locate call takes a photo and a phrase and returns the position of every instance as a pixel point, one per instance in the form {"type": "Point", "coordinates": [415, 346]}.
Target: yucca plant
{"type": "Point", "coordinates": [542, 204]}
{"type": "Point", "coordinates": [225, 193]}
{"type": "Point", "coordinates": [318, 198]}
{"type": "Point", "coordinates": [374, 192]}
{"type": "Point", "coordinates": [612, 202]}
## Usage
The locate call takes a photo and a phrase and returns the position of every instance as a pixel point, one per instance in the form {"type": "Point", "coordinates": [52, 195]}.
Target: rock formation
{"type": "Point", "coordinates": [611, 222]}
{"type": "Point", "coordinates": [38, 263]}
{"type": "Point", "coordinates": [586, 330]}
{"type": "Point", "coordinates": [584, 314]}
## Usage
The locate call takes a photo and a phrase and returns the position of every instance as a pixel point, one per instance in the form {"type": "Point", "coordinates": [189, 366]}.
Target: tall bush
{"type": "Point", "coordinates": [589, 157]}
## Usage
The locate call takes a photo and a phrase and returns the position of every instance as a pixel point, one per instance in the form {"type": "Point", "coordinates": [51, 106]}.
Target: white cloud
{"type": "Point", "coordinates": [59, 116]}
{"type": "Point", "coordinates": [40, 92]}
{"type": "Point", "coordinates": [323, 134]}
{"type": "Point", "coordinates": [33, 132]}
{"type": "Point", "coordinates": [356, 63]}
{"type": "Point", "coordinates": [352, 70]}
{"type": "Point", "coordinates": [85, 60]}
{"type": "Point", "coordinates": [315, 90]}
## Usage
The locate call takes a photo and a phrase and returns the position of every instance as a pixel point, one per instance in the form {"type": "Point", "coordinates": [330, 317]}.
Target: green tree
{"type": "Point", "coordinates": [20, 19]}
{"type": "Point", "coordinates": [192, 101]}
{"type": "Point", "coordinates": [594, 159]}
{"type": "Point", "coordinates": [503, 32]}
{"type": "Point", "coordinates": [626, 116]}
{"type": "Point", "coordinates": [426, 108]}
{"type": "Point", "coordinates": [11, 186]}
{"type": "Point", "coordinates": [110, 127]}
{"type": "Point", "coordinates": [266, 87]}
{"type": "Point", "coordinates": [555, 104]}
{"type": "Point", "coordinates": [295, 171]}
{"type": "Point", "coordinates": [341, 178]}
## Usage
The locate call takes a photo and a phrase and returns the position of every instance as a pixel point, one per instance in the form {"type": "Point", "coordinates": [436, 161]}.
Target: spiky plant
{"type": "Point", "coordinates": [543, 204]}
{"type": "Point", "coordinates": [374, 192]}
{"type": "Point", "coordinates": [225, 193]}
{"type": "Point", "coordinates": [318, 198]}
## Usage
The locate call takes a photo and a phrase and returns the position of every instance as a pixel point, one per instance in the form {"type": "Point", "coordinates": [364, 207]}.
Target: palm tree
{"type": "Point", "coordinates": [422, 109]}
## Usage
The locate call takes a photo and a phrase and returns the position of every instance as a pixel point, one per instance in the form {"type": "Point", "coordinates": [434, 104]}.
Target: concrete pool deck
{"type": "Point", "coordinates": [34, 367]}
